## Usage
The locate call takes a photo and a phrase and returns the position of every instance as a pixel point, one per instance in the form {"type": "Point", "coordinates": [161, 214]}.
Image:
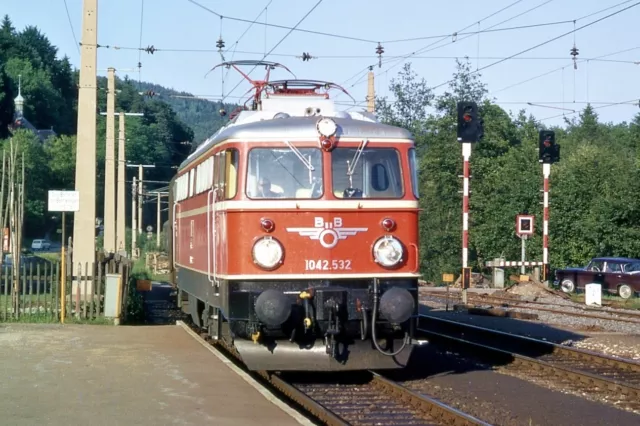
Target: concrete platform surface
{"type": "Point", "coordinates": [104, 375]}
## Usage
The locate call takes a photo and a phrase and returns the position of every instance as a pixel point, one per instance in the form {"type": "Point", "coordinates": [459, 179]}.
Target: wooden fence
{"type": "Point", "coordinates": [35, 294]}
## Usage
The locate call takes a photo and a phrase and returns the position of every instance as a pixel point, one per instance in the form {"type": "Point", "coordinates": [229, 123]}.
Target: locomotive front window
{"type": "Point", "coordinates": [374, 173]}
{"type": "Point", "coordinates": [287, 172]}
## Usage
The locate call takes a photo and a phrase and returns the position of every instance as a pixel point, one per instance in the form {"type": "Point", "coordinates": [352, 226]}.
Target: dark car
{"type": "Point", "coordinates": [616, 275]}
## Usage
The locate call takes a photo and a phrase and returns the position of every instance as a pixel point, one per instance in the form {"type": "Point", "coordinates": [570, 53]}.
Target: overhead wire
{"type": "Point", "coordinates": [235, 45]}
{"type": "Point", "coordinates": [276, 45]}
{"type": "Point", "coordinates": [140, 45]}
{"type": "Point", "coordinates": [282, 26]}
{"type": "Point", "coordinates": [597, 58]}
{"type": "Point", "coordinates": [432, 46]}
{"type": "Point", "coordinates": [545, 42]}
{"type": "Point", "coordinates": [73, 33]}
{"type": "Point", "coordinates": [636, 100]}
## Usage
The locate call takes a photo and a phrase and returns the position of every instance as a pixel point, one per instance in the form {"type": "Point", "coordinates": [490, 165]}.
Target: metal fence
{"type": "Point", "coordinates": [34, 293]}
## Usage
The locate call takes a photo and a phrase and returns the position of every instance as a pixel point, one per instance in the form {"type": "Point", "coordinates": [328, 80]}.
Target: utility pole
{"type": "Point", "coordinates": [120, 220]}
{"type": "Point", "coordinates": [140, 178]}
{"type": "Point", "coordinates": [158, 220]}
{"type": "Point", "coordinates": [109, 168]}
{"type": "Point", "coordinates": [141, 168]}
{"type": "Point", "coordinates": [134, 227]}
{"type": "Point", "coordinates": [84, 224]}
{"type": "Point", "coordinates": [371, 92]}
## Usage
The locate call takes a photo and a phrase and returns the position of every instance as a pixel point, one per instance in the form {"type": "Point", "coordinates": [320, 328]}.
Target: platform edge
{"type": "Point", "coordinates": [247, 378]}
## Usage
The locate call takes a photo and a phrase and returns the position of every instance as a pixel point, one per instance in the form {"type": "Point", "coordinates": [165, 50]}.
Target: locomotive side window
{"type": "Point", "coordinates": [375, 173]}
{"type": "Point", "coordinates": [231, 174]}
{"type": "Point", "coordinates": [413, 163]}
{"type": "Point", "coordinates": [286, 172]}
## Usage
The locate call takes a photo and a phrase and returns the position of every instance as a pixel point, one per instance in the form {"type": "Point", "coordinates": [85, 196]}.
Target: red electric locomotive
{"type": "Point", "coordinates": [295, 233]}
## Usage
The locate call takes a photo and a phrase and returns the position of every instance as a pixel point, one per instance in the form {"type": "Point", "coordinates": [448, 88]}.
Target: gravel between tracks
{"type": "Point", "coordinates": [502, 399]}
{"type": "Point", "coordinates": [611, 337]}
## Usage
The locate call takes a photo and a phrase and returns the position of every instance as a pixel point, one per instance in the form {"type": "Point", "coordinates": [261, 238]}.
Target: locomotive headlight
{"type": "Point", "coordinates": [388, 251]}
{"type": "Point", "coordinates": [267, 253]}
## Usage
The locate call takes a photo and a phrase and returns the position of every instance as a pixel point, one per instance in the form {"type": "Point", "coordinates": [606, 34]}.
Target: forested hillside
{"type": "Point", "coordinates": [594, 203]}
{"type": "Point", "coordinates": [201, 115]}
{"type": "Point", "coordinates": [49, 89]}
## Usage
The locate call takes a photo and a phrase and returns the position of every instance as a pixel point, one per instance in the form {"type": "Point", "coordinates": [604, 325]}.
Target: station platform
{"type": "Point", "coordinates": [130, 375]}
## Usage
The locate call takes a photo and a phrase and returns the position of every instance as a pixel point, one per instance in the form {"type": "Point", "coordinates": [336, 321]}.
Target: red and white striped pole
{"type": "Point", "coordinates": [466, 154]}
{"type": "Point", "coordinates": [546, 171]}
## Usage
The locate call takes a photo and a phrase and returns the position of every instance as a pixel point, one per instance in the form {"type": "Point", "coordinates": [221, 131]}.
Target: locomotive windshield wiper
{"type": "Point", "coordinates": [352, 166]}
{"type": "Point", "coordinates": [298, 154]}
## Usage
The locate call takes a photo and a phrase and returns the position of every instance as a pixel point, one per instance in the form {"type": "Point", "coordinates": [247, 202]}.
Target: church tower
{"type": "Point", "coordinates": [19, 100]}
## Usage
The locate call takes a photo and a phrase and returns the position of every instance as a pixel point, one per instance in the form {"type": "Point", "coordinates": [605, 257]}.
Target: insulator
{"type": "Point", "coordinates": [379, 49]}
{"type": "Point", "coordinates": [305, 56]}
{"type": "Point", "coordinates": [150, 49]}
{"type": "Point", "coordinates": [220, 44]}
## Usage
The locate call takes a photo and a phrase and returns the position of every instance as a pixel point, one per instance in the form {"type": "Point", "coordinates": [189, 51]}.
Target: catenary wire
{"type": "Point", "coordinates": [73, 33]}
{"type": "Point", "coordinates": [276, 45]}
{"type": "Point", "coordinates": [231, 18]}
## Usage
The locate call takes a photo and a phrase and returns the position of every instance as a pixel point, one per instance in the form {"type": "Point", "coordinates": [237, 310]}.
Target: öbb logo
{"type": "Point", "coordinates": [328, 233]}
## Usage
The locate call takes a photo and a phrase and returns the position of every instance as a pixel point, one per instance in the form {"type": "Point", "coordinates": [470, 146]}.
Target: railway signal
{"type": "Point", "coordinates": [470, 130]}
{"type": "Point", "coordinates": [470, 126]}
{"type": "Point", "coordinates": [549, 150]}
{"type": "Point", "coordinates": [549, 153]}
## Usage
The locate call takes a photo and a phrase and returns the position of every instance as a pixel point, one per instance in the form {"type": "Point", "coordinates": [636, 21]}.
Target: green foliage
{"type": "Point", "coordinates": [594, 208]}
{"type": "Point", "coordinates": [49, 88]}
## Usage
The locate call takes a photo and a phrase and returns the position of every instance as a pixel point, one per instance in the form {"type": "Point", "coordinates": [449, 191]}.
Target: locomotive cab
{"type": "Point", "coordinates": [296, 236]}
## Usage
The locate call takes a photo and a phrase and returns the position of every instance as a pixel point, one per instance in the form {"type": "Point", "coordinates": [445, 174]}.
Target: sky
{"type": "Point", "coordinates": [185, 29]}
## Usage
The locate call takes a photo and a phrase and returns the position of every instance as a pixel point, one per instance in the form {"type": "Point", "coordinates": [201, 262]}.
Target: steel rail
{"type": "Point", "coordinates": [631, 317]}
{"type": "Point", "coordinates": [596, 370]}
{"type": "Point", "coordinates": [427, 406]}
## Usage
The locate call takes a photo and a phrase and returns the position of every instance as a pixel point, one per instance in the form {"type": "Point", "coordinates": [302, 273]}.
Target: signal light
{"type": "Point", "coordinates": [549, 151]}
{"type": "Point", "coordinates": [466, 277]}
{"type": "Point", "coordinates": [470, 126]}
{"type": "Point", "coordinates": [546, 269]}
{"type": "Point", "coordinates": [267, 225]}
{"type": "Point", "coordinates": [388, 224]}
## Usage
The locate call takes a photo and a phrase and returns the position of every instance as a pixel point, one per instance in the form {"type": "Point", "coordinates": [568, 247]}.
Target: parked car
{"type": "Point", "coordinates": [38, 245]}
{"type": "Point", "coordinates": [616, 275]}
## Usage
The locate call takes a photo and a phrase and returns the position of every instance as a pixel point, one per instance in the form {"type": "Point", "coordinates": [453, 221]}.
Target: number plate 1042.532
{"type": "Point", "coordinates": [327, 265]}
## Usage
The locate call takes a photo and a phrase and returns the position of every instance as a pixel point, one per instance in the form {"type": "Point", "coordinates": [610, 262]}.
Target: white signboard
{"type": "Point", "coordinates": [64, 201]}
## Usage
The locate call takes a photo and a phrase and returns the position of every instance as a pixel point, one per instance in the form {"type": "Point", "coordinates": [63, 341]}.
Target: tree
{"type": "Point", "coordinates": [7, 108]}
{"type": "Point", "coordinates": [412, 97]}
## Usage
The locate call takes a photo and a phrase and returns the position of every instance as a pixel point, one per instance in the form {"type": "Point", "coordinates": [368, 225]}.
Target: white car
{"type": "Point", "coordinates": [40, 245]}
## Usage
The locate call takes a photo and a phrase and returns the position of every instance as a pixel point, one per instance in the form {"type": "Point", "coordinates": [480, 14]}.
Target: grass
{"type": "Point", "coordinates": [54, 319]}
{"type": "Point", "coordinates": [51, 257]}
{"type": "Point", "coordinates": [616, 301]}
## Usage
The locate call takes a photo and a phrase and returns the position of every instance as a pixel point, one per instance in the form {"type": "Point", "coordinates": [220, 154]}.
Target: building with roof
{"type": "Point", "coordinates": [21, 122]}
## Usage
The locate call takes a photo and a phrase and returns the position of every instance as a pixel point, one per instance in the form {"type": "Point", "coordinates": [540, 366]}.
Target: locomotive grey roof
{"type": "Point", "coordinates": [299, 127]}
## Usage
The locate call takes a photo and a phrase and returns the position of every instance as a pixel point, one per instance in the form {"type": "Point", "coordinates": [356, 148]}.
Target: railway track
{"type": "Point", "coordinates": [506, 302]}
{"type": "Point", "coordinates": [352, 398]}
{"type": "Point", "coordinates": [582, 370]}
